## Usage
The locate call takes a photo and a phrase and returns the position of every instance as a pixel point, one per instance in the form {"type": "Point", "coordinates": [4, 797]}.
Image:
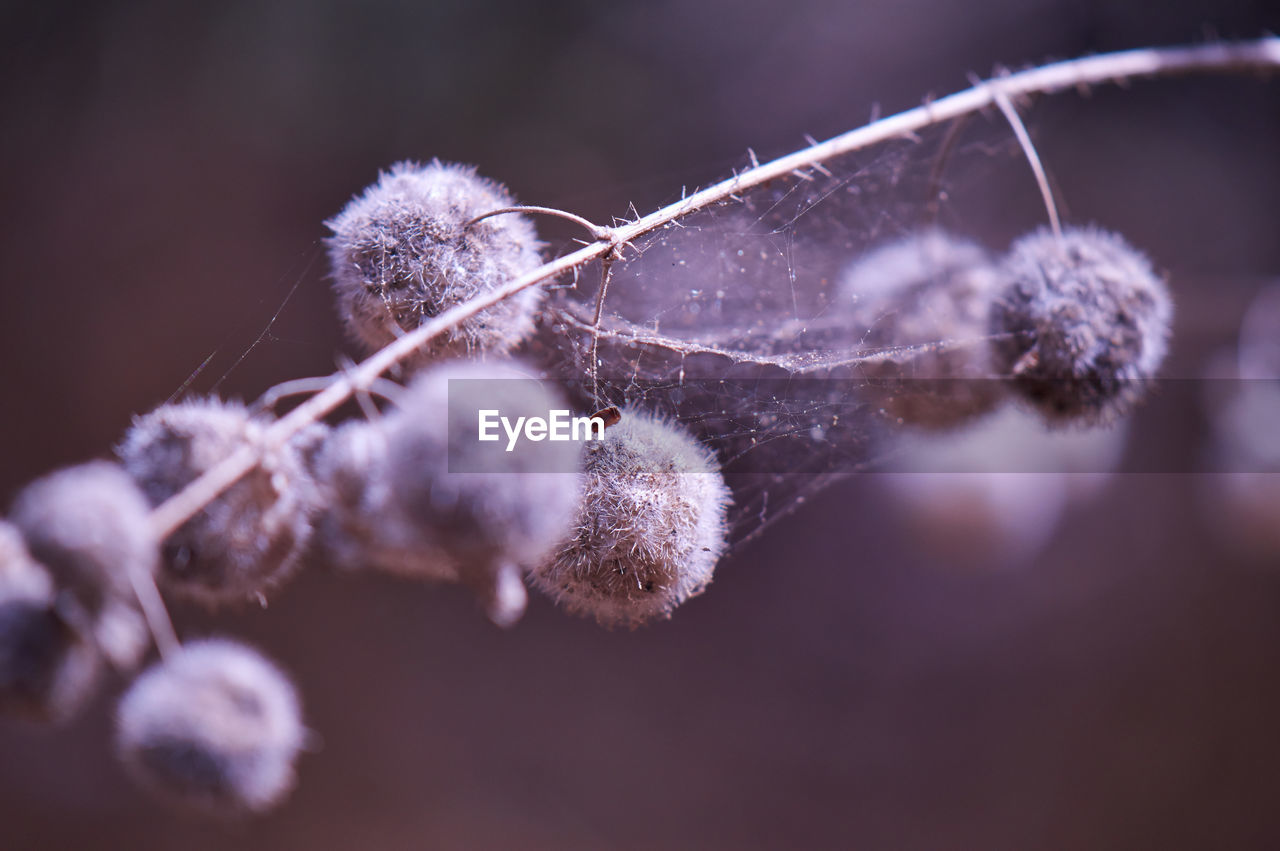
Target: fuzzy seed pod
{"type": "Point", "coordinates": [925, 299]}
{"type": "Point", "coordinates": [1082, 323]}
{"type": "Point", "coordinates": [419, 494]}
{"type": "Point", "coordinates": [215, 726]}
{"type": "Point", "coordinates": [20, 574]}
{"type": "Point", "coordinates": [482, 503]}
{"type": "Point", "coordinates": [649, 529]}
{"type": "Point", "coordinates": [89, 527]}
{"type": "Point", "coordinates": [48, 670]}
{"type": "Point", "coordinates": [400, 255]}
{"type": "Point", "coordinates": [360, 524]}
{"type": "Point", "coordinates": [248, 540]}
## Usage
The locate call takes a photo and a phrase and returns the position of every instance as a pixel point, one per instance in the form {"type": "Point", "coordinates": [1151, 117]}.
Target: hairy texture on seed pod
{"type": "Point", "coordinates": [419, 495]}
{"type": "Point", "coordinates": [89, 527]}
{"type": "Point", "coordinates": [48, 669]}
{"type": "Point", "coordinates": [400, 255]}
{"type": "Point", "coordinates": [215, 726]}
{"type": "Point", "coordinates": [361, 524]}
{"type": "Point", "coordinates": [925, 301]}
{"type": "Point", "coordinates": [20, 574]}
{"type": "Point", "coordinates": [1081, 323]}
{"type": "Point", "coordinates": [469, 508]}
{"type": "Point", "coordinates": [649, 529]}
{"type": "Point", "coordinates": [248, 540]}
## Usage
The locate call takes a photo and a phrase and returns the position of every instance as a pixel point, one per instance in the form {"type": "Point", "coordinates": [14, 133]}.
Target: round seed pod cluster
{"type": "Point", "coordinates": [419, 494]}
{"type": "Point", "coordinates": [1081, 323]}
{"type": "Point", "coordinates": [925, 301]}
{"type": "Point", "coordinates": [215, 727]}
{"type": "Point", "coordinates": [76, 542]}
{"type": "Point", "coordinates": [401, 253]}
{"type": "Point", "coordinates": [649, 529]}
{"type": "Point", "coordinates": [248, 540]}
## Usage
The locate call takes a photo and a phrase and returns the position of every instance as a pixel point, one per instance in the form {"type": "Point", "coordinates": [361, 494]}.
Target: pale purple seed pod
{"type": "Point", "coordinates": [48, 669]}
{"type": "Point", "coordinates": [400, 254]}
{"type": "Point", "coordinates": [924, 302]}
{"type": "Point", "coordinates": [215, 727]}
{"type": "Point", "coordinates": [359, 525]}
{"type": "Point", "coordinates": [420, 495]}
{"type": "Point", "coordinates": [89, 526]}
{"type": "Point", "coordinates": [20, 574]}
{"type": "Point", "coordinates": [248, 540]}
{"type": "Point", "coordinates": [1081, 323]}
{"type": "Point", "coordinates": [489, 511]}
{"type": "Point", "coordinates": [649, 529]}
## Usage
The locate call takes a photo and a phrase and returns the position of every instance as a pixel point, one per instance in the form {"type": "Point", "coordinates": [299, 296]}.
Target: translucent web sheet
{"type": "Point", "coordinates": [736, 320]}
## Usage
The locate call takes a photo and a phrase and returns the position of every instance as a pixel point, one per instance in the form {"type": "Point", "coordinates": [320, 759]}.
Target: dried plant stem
{"type": "Point", "coordinates": [1261, 54]}
{"type": "Point", "coordinates": [606, 272]}
{"type": "Point", "coordinates": [1033, 158]}
{"type": "Point", "coordinates": [154, 612]}
{"type": "Point", "coordinates": [385, 388]}
{"type": "Point", "coordinates": [597, 232]}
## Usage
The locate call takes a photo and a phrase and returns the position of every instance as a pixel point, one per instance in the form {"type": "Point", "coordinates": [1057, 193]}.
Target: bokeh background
{"type": "Point", "coordinates": [164, 172]}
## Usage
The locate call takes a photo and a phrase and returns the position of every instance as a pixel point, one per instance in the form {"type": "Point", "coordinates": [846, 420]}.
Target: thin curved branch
{"type": "Point", "coordinates": [1261, 54]}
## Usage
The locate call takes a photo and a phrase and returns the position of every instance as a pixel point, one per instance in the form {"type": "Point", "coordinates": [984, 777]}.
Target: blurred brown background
{"type": "Point", "coordinates": [164, 174]}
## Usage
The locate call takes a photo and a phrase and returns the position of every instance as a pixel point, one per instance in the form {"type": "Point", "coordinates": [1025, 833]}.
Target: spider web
{"type": "Point", "coordinates": [732, 320]}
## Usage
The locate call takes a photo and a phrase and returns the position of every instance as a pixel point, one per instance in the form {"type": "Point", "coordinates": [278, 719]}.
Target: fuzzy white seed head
{"type": "Point", "coordinates": [487, 512]}
{"type": "Point", "coordinates": [891, 271]}
{"type": "Point", "coordinates": [924, 300]}
{"type": "Point", "coordinates": [419, 495]}
{"type": "Point", "coordinates": [477, 502]}
{"type": "Point", "coordinates": [400, 255]}
{"type": "Point", "coordinates": [21, 576]}
{"type": "Point", "coordinates": [48, 669]}
{"type": "Point", "coordinates": [649, 529]}
{"type": "Point", "coordinates": [248, 540]}
{"type": "Point", "coordinates": [1082, 323]}
{"type": "Point", "coordinates": [215, 726]}
{"type": "Point", "coordinates": [359, 525]}
{"type": "Point", "coordinates": [88, 526]}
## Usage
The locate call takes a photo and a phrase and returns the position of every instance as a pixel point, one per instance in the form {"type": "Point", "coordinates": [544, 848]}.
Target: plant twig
{"type": "Point", "coordinates": [1261, 54]}
{"type": "Point", "coordinates": [1029, 151]}
{"type": "Point", "coordinates": [606, 273]}
{"type": "Point", "coordinates": [154, 612]}
{"type": "Point", "coordinates": [597, 232]}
